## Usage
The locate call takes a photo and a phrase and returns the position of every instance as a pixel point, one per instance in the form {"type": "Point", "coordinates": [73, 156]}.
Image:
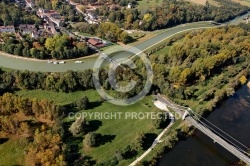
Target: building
{"type": "Point", "coordinates": [129, 5]}
{"type": "Point", "coordinates": [96, 42]}
{"type": "Point", "coordinates": [52, 15]}
{"type": "Point", "coordinates": [7, 29]}
{"type": "Point", "coordinates": [50, 28]}
{"type": "Point", "coordinates": [27, 29]}
{"type": "Point", "coordinates": [34, 35]}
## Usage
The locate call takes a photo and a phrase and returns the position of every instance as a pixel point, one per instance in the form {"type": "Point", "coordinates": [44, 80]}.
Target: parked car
{"type": "Point", "coordinates": [78, 62]}
{"type": "Point", "coordinates": [61, 62]}
{"type": "Point", "coordinates": [55, 62]}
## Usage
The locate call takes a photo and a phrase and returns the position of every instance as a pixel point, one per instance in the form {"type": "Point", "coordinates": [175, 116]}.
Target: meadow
{"type": "Point", "coordinates": [116, 133]}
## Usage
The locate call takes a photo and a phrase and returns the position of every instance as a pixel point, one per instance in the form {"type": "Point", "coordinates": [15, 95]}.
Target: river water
{"type": "Point", "coordinates": [233, 117]}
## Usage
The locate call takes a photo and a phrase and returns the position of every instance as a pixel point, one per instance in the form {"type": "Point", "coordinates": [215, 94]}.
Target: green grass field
{"type": "Point", "coordinates": [144, 4]}
{"type": "Point", "coordinates": [12, 152]}
{"type": "Point", "coordinates": [121, 129]}
{"type": "Point", "coordinates": [243, 2]}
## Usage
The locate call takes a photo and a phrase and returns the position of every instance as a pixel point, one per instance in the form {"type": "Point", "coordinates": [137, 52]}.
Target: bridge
{"type": "Point", "coordinates": [209, 129]}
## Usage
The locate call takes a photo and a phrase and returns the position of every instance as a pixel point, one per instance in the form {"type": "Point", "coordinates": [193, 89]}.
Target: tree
{"type": "Point", "coordinates": [89, 140]}
{"type": "Point", "coordinates": [82, 103]}
{"type": "Point", "coordinates": [161, 120]}
{"type": "Point", "coordinates": [79, 126]}
{"type": "Point", "coordinates": [138, 142]}
{"type": "Point", "coordinates": [125, 38]}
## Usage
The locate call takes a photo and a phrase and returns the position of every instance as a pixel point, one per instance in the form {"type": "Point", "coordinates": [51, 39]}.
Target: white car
{"type": "Point", "coordinates": [78, 62]}
{"type": "Point", "coordinates": [55, 62]}
{"type": "Point", "coordinates": [61, 62]}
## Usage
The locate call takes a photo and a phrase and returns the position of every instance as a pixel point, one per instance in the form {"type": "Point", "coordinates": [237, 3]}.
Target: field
{"type": "Point", "coordinates": [116, 133]}
{"type": "Point", "coordinates": [12, 152]}
{"type": "Point", "coordinates": [243, 2]}
{"type": "Point", "coordinates": [143, 4]}
{"type": "Point", "coordinates": [203, 2]}
{"type": "Point", "coordinates": [200, 2]}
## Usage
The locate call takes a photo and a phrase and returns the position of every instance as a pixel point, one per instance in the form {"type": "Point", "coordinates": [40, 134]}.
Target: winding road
{"type": "Point", "coordinates": [15, 62]}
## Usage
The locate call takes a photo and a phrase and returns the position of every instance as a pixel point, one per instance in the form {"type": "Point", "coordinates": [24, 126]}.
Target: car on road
{"type": "Point", "coordinates": [78, 62]}
{"type": "Point", "coordinates": [61, 62]}
{"type": "Point", "coordinates": [55, 62]}
{"type": "Point", "coordinates": [50, 62]}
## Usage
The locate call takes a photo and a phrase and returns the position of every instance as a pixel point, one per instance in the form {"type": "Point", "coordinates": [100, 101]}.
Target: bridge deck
{"type": "Point", "coordinates": [220, 141]}
{"type": "Point", "coordinates": [244, 157]}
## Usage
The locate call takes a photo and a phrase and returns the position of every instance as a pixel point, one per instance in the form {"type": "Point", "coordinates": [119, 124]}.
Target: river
{"type": "Point", "coordinates": [233, 117]}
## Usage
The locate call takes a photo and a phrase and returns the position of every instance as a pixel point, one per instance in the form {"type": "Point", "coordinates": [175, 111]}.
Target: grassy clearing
{"type": "Point", "coordinates": [214, 3]}
{"type": "Point", "coordinates": [243, 2]}
{"type": "Point", "coordinates": [123, 130]}
{"type": "Point", "coordinates": [58, 97]}
{"type": "Point", "coordinates": [203, 2]}
{"type": "Point", "coordinates": [144, 38]}
{"type": "Point", "coordinates": [12, 152]}
{"type": "Point", "coordinates": [144, 4]}
{"type": "Point", "coordinates": [119, 132]}
{"type": "Point", "coordinates": [200, 2]}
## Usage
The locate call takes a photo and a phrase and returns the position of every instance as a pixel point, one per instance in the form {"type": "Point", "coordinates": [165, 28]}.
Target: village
{"type": "Point", "coordinates": [52, 22]}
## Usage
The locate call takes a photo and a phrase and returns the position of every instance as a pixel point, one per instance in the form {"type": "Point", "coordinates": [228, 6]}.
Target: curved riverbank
{"type": "Point", "coordinates": [43, 66]}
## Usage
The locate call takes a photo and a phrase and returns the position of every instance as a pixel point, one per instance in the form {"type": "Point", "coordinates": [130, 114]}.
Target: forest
{"type": "Point", "coordinates": [36, 121]}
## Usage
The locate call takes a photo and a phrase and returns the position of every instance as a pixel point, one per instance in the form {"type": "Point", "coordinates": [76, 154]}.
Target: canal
{"type": "Point", "coordinates": [233, 117]}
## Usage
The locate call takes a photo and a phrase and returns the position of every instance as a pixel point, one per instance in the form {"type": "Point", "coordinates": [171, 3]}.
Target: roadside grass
{"type": "Point", "coordinates": [147, 36]}
{"type": "Point", "coordinates": [85, 34]}
{"type": "Point", "coordinates": [165, 51]}
{"type": "Point", "coordinates": [12, 152]}
{"type": "Point", "coordinates": [118, 132]}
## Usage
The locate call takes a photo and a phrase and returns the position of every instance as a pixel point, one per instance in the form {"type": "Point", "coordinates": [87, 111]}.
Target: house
{"type": "Point", "coordinates": [129, 5]}
{"type": "Point", "coordinates": [50, 28]}
{"type": "Point", "coordinates": [27, 29]}
{"type": "Point", "coordinates": [51, 15]}
{"type": "Point", "coordinates": [96, 42]}
{"type": "Point", "coordinates": [7, 29]}
{"type": "Point", "coordinates": [34, 35]}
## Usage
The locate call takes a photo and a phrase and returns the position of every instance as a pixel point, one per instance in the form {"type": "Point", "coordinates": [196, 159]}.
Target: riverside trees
{"type": "Point", "coordinates": [57, 47]}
